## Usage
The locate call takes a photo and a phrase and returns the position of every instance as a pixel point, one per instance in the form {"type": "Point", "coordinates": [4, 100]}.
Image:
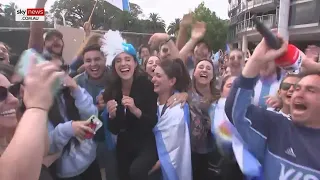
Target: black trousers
{"type": "Point", "coordinates": [200, 163]}
{"type": "Point", "coordinates": [213, 166]}
{"type": "Point", "coordinates": [45, 173]}
{"type": "Point", "coordinates": [93, 172]}
{"type": "Point", "coordinates": [135, 159]}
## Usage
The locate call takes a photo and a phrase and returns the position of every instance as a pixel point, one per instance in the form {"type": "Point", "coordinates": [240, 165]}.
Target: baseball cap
{"type": "Point", "coordinates": [53, 33]}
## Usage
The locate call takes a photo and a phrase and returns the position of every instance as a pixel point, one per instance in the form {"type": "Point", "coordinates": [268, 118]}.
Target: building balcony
{"type": "Point", "coordinates": [233, 10]}
{"type": "Point", "coordinates": [269, 20]}
{"type": "Point", "coordinates": [257, 5]}
{"type": "Point", "coordinates": [233, 20]}
{"type": "Point", "coordinates": [253, 6]}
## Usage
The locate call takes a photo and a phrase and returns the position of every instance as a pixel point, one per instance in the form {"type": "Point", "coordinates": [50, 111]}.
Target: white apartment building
{"type": "Point", "coordinates": [296, 20]}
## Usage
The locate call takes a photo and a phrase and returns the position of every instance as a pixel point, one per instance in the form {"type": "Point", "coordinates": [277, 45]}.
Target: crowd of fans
{"type": "Point", "coordinates": [159, 107]}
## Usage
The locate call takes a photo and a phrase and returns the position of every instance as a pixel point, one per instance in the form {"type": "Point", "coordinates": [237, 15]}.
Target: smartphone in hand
{"type": "Point", "coordinates": [24, 63]}
{"type": "Point", "coordinates": [95, 124]}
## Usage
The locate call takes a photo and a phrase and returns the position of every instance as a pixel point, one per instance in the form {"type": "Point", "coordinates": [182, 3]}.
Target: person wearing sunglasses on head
{"type": "Point", "coordinates": [22, 154]}
{"type": "Point", "coordinates": [285, 92]}
{"type": "Point", "coordinates": [16, 87]}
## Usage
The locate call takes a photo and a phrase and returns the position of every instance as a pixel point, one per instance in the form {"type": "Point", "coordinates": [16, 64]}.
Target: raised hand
{"type": "Point", "coordinates": [198, 30]}
{"type": "Point", "coordinates": [264, 54]}
{"type": "Point", "coordinates": [261, 56]}
{"type": "Point", "coordinates": [158, 38]}
{"type": "Point", "coordinates": [38, 85]}
{"type": "Point", "coordinates": [186, 20]}
{"type": "Point", "coordinates": [87, 27]}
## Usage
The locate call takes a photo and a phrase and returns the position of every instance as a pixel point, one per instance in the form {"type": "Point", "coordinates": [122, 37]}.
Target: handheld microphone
{"type": "Point", "coordinates": [291, 61]}
{"type": "Point", "coordinates": [272, 41]}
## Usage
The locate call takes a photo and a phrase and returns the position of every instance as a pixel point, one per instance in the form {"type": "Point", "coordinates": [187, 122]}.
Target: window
{"type": "Point", "coordinates": [304, 13]}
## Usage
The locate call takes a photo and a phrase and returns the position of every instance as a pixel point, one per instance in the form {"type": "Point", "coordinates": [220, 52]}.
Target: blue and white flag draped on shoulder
{"type": "Point", "coordinates": [227, 138]}
{"type": "Point", "coordinates": [227, 49]}
{"type": "Point", "coordinates": [173, 143]}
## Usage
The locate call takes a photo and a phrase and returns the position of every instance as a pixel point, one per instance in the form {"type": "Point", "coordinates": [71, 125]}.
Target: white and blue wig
{"type": "Point", "coordinates": [113, 44]}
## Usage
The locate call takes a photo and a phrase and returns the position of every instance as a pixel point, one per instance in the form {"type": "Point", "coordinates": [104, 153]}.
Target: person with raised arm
{"type": "Point", "coordinates": [23, 157]}
{"type": "Point", "coordinates": [286, 147]}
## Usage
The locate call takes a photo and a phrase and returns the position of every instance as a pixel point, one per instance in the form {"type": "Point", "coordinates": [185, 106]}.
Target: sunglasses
{"type": "Point", "coordinates": [286, 86]}
{"type": "Point", "coordinates": [13, 89]}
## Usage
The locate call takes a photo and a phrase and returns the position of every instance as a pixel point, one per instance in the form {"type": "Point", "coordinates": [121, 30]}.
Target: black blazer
{"type": "Point", "coordinates": [128, 125]}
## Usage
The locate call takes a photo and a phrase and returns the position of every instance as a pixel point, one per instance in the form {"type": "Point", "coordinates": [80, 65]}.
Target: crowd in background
{"type": "Point", "coordinates": [163, 109]}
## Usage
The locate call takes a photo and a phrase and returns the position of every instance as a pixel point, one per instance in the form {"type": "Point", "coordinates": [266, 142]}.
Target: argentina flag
{"type": "Point", "coordinates": [173, 142]}
{"type": "Point", "coordinates": [228, 139]}
{"type": "Point", "coordinates": [123, 5]}
{"type": "Point", "coordinates": [227, 49]}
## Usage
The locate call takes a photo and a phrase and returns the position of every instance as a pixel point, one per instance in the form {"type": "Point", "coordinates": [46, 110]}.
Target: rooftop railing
{"type": "Point", "coordinates": [269, 20]}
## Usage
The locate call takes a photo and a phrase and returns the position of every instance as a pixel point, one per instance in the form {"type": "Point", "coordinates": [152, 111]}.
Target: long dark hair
{"type": "Point", "coordinates": [176, 69]}
{"type": "Point", "coordinates": [72, 111]}
{"type": "Point", "coordinates": [56, 118]}
{"type": "Point", "coordinates": [214, 91]}
{"type": "Point", "coordinates": [8, 49]}
{"type": "Point", "coordinates": [113, 81]}
{"type": "Point", "coordinates": [224, 81]}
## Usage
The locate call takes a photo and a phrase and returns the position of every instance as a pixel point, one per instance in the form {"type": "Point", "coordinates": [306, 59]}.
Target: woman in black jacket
{"type": "Point", "coordinates": [132, 108]}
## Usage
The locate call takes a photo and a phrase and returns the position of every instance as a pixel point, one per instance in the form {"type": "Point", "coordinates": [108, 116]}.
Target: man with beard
{"type": "Point", "coordinates": [53, 45]}
{"type": "Point", "coordinates": [93, 79]}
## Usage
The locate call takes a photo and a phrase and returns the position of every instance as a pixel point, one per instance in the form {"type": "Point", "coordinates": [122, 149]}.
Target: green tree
{"type": "Point", "coordinates": [135, 10]}
{"type": "Point", "coordinates": [217, 28]}
{"type": "Point", "coordinates": [173, 27]}
{"type": "Point", "coordinates": [156, 23]}
{"type": "Point", "coordinates": [105, 16]}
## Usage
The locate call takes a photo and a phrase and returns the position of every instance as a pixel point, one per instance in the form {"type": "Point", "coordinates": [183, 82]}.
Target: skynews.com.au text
{"type": "Point", "coordinates": [30, 14]}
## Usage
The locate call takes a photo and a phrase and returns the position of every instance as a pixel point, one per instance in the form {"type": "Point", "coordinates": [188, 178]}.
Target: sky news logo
{"type": "Point", "coordinates": [30, 14]}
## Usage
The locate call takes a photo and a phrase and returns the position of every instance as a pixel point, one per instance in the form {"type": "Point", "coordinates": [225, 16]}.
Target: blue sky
{"type": "Point", "coordinates": [167, 9]}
